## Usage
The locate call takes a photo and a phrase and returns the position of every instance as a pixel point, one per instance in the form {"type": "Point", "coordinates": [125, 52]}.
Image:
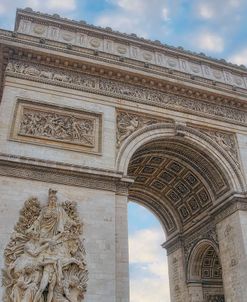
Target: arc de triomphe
{"type": "Point", "coordinates": [90, 118]}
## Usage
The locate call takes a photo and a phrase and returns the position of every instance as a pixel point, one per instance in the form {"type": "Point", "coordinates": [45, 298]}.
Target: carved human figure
{"type": "Point", "coordinates": [32, 253]}
{"type": "Point", "coordinates": [32, 260]}
{"type": "Point", "coordinates": [45, 255]}
{"type": "Point", "coordinates": [52, 275]}
{"type": "Point", "coordinates": [27, 285]}
{"type": "Point", "coordinates": [127, 128]}
{"type": "Point", "coordinates": [53, 219]}
{"type": "Point", "coordinates": [67, 291]}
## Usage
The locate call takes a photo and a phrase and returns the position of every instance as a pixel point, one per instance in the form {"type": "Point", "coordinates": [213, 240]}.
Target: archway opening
{"type": "Point", "coordinates": [205, 271]}
{"type": "Point", "coordinates": [180, 182]}
{"type": "Point", "coordinates": [148, 265]}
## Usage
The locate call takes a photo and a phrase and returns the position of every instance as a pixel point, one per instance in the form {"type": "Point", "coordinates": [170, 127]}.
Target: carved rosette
{"type": "Point", "coordinates": [45, 258]}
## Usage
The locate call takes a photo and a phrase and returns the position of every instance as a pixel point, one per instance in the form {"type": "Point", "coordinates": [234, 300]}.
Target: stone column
{"type": "Point", "coordinates": [177, 276]}
{"type": "Point", "coordinates": [122, 249]}
{"type": "Point", "coordinates": [195, 292]}
{"type": "Point", "coordinates": [232, 236]}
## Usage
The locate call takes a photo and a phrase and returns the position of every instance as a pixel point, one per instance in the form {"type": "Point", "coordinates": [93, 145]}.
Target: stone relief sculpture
{"type": "Point", "coordinates": [44, 260]}
{"type": "Point", "coordinates": [59, 127]}
{"type": "Point", "coordinates": [67, 128]}
{"type": "Point", "coordinates": [226, 140]}
{"type": "Point", "coordinates": [127, 123]}
{"type": "Point", "coordinates": [127, 91]}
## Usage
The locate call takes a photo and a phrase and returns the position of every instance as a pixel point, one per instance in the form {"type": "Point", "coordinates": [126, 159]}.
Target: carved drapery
{"type": "Point", "coordinates": [66, 128]}
{"type": "Point", "coordinates": [45, 258]}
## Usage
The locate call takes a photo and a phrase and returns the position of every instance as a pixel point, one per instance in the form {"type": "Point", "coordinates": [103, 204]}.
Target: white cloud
{"type": "Point", "coordinates": [144, 245]}
{"type": "Point", "coordinates": [146, 290]}
{"type": "Point", "coordinates": [236, 3]}
{"type": "Point", "coordinates": [67, 8]}
{"type": "Point", "coordinates": [131, 5]}
{"type": "Point", "coordinates": [146, 253]}
{"type": "Point", "coordinates": [218, 10]}
{"type": "Point", "coordinates": [207, 41]}
{"type": "Point", "coordinates": [165, 14]}
{"type": "Point", "coordinates": [205, 11]}
{"type": "Point", "coordinates": [143, 17]}
{"type": "Point", "coordinates": [63, 5]}
{"type": "Point", "coordinates": [52, 6]}
{"type": "Point", "coordinates": [239, 57]}
{"type": "Point", "coordinates": [2, 8]}
{"type": "Point", "coordinates": [122, 23]}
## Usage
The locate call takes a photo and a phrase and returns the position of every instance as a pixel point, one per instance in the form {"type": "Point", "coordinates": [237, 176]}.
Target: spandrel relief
{"type": "Point", "coordinates": [129, 122]}
{"type": "Point", "coordinates": [45, 258]}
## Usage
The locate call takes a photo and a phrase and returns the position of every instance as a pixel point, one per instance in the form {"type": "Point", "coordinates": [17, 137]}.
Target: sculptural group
{"type": "Point", "coordinates": [44, 261]}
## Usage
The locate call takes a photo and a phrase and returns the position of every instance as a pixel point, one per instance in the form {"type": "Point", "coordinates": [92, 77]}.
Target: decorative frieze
{"type": "Point", "coordinates": [128, 47]}
{"type": "Point", "coordinates": [113, 88]}
{"type": "Point", "coordinates": [51, 125]}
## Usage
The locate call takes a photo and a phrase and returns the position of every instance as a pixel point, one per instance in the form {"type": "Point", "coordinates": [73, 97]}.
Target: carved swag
{"type": "Point", "coordinates": [44, 260]}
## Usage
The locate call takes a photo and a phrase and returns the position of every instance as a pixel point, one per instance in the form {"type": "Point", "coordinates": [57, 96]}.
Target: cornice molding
{"type": "Point", "coordinates": [236, 202]}
{"type": "Point", "coordinates": [22, 42]}
{"type": "Point", "coordinates": [72, 175]}
{"type": "Point", "coordinates": [206, 230]}
{"type": "Point", "coordinates": [107, 33]}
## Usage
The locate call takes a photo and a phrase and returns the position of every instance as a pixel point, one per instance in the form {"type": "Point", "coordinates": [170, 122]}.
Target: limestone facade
{"type": "Point", "coordinates": [98, 116]}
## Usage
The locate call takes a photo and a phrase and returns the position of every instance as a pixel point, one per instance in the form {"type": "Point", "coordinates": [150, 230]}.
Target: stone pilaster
{"type": "Point", "coordinates": [195, 292]}
{"type": "Point", "coordinates": [122, 251]}
{"type": "Point", "coordinates": [232, 236]}
{"type": "Point", "coordinates": [177, 276]}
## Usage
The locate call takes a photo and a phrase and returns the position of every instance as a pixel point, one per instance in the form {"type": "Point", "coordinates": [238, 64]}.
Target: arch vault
{"type": "Point", "coordinates": [100, 118]}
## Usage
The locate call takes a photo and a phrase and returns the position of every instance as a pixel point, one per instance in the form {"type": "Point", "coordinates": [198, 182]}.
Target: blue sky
{"type": "Point", "coordinates": [215, 27]}
{"type": "Point", "coordinates": [148, 261]}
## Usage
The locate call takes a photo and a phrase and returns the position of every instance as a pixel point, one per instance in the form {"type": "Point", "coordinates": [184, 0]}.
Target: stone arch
{"type": "Point", "coordinates": [179, 172]}
{"type": "Point", "coordinates": [168, 218]}
{"type": "Point", "coordinates": [191, 136]}
{"type": "Point", "coordinates": [194, 265]}
{"type": "Point", "coordinates": [204, 271]}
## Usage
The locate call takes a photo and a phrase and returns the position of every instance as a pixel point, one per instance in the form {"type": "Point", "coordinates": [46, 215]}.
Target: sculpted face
{"type": "Point", "coordinates": [52, 201]}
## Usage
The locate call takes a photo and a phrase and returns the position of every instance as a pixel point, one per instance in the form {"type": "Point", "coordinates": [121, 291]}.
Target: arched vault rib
{"type": "Point", "coordinates": [204, 263]}
{"type": "Point", "coordinates": [166, 215]}
{"type": "Point", "coordinates": [175, 185]}
{"type": "Point", "coordinates": [192, 137]}
{"type": "Point", "coordinates": [184, 177]}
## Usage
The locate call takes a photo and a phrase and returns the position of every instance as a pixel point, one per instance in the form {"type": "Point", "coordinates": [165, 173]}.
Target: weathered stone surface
{"type": "Point", "coordinates": [102, 121]}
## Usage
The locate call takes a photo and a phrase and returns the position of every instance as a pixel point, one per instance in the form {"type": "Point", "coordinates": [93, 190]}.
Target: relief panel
{"type": "Point", "coordinates": [45, 258]}
{"type": "Point", "coordinates": [57, 127]}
